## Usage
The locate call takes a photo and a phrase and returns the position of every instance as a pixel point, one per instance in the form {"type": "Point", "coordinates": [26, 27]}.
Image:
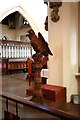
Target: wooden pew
{"type": "Point", "coordinates": [17, 64]}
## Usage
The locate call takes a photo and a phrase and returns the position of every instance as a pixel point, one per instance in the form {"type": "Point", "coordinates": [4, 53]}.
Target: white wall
{"type": "Point", "coordinates": [34, 11]}
{"type": "Point", "coordinates": [79, 35]}
{"type": "Point", "coordinates": [63, 39]}
{"type": "Point", "coordinates": [12, 34]}
{"type": "Point", "coordinates": [20, 31]}
{"type": "Point", "coordinates": [78, 45]}
{"type": "Point", "coordinates": [55, 42]}
{"type": "Point", "coordinates": [9, 33]}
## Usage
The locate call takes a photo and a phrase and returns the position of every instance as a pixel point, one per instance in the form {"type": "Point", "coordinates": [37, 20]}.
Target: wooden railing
{"type": "Point", "coordinates": [50, 110]}
{"type": "Point", "coordinates": [15, 49]}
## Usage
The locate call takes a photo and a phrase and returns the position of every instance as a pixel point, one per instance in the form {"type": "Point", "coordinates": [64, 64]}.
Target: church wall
{"type": "Point", "coordinates": [79, 35]}
{"type": "Point", "coordinates": [78, 45]}
{"type": "Point", "coordinates": [63, 39]}
{"type": "Point", "coordinates": [12, 34]}
{"type": "Point", "coordinates": [9, 33]}
{"type": "Point", "coordinates": [34, 13]}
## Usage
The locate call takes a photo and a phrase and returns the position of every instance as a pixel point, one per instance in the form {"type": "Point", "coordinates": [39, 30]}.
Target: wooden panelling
{"type": "Point", "coordinates": [16, 64]}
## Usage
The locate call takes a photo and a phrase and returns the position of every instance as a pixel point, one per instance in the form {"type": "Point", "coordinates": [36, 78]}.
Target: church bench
{"type": "Point", "coordinates": [17, 64]}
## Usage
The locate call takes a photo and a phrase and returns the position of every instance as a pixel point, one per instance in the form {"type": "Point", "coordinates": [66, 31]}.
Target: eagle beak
{"type": "Point", "coordinates": [27, 35]}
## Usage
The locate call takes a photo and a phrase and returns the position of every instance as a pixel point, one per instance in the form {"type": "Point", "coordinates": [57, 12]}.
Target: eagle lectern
{"type": "Point", "coordinates": [41, 48]}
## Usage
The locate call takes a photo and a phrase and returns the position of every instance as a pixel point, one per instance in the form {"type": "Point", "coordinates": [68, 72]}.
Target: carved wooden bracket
{"type": "Point", "coordinates": [54, 14]}
{"type": "Point", "coordinates": [55, 9]}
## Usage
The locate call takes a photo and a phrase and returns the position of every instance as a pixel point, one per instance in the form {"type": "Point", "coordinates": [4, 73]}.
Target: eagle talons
{"type": "Point", "coordinates": [37, 57]}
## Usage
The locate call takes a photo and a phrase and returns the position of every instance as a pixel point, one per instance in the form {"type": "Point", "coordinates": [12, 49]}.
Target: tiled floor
{"type": "Point", "coordinates": [17, 84]}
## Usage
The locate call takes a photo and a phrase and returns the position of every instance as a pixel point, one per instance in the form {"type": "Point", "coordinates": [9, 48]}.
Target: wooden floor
{"type": "Point", "coordinates": [16, 84]}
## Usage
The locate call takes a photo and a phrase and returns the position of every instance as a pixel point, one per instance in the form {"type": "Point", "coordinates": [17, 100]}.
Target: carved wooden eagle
{"type": "Point", "coordinates": [38, 43]}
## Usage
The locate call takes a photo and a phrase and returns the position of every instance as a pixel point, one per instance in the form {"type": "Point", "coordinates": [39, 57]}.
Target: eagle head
{"type": "Point", "coordinates": [30, 32]}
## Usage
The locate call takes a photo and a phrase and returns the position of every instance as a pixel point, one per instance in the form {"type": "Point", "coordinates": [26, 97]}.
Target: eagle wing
{"type": "Point", "coordinates": [39, 44]}
{"type": "Point", "coordinates": [44, 45]}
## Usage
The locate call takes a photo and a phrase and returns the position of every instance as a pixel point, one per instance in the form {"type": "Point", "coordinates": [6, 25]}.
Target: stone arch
{"type": "Point", "coordinates": [21, 11]}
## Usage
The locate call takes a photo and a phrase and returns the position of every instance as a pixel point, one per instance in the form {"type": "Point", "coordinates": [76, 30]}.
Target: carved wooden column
{"type": "Point", "coordinates": [37, 66]}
